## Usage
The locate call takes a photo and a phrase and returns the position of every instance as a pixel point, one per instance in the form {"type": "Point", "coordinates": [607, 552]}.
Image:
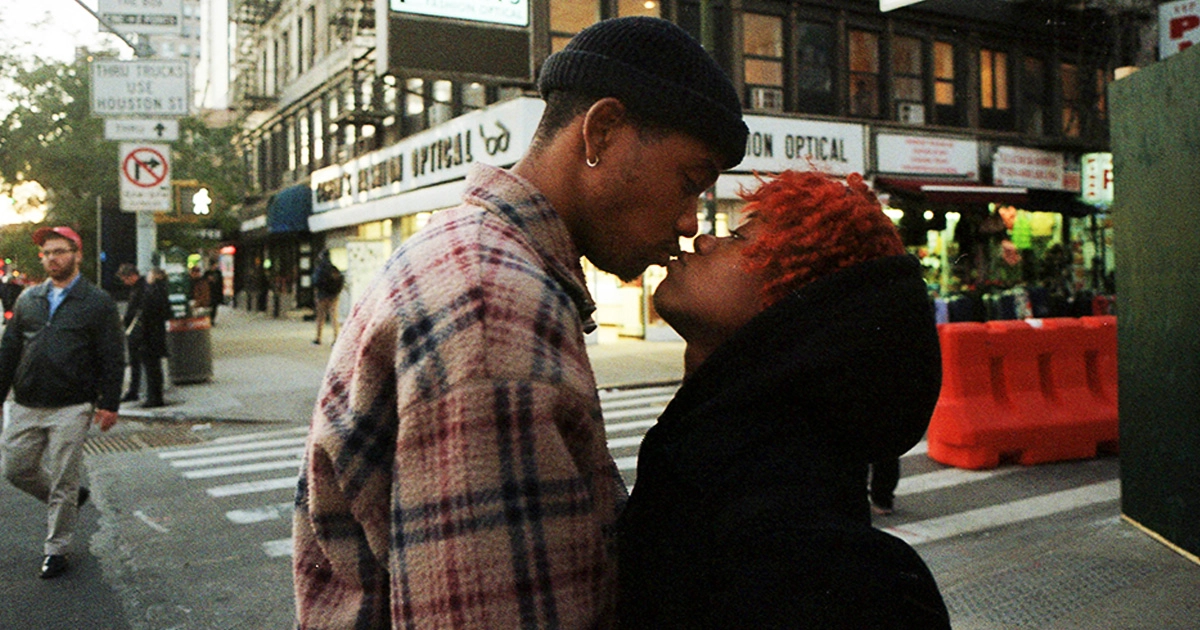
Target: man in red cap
{"type": "Point", "coordinates": [68, 328]}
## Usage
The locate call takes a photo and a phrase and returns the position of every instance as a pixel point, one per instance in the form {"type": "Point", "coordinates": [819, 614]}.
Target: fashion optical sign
{"type": "Point", "coordinates": [497, 135]}
{"type": "Point", "coordinates": [777, 144]}
{"type": "Point", "coordinates": [511, 12]}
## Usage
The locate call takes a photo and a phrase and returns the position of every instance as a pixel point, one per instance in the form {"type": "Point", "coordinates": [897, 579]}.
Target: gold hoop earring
{"type": "Point", "coordinates": [592, 164]}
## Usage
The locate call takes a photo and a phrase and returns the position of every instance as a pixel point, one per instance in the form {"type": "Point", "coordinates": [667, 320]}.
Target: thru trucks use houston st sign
{"type": "Point", "coordinates": [140, 88]}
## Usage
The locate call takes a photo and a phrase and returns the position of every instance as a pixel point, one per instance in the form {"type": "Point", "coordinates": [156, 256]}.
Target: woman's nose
{"type": "Point", "coordinates": [704, 243]}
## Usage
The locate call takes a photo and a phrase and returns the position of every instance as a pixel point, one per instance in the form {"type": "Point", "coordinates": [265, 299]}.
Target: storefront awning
{"type": "Point", "coordinates": [945, 192]}
{"type": "Point", "coordinates": [951, 192]}
{"type": "Point", "coordinates": [289, 209]}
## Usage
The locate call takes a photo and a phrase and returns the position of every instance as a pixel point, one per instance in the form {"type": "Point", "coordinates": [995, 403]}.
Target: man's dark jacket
{"type": "Point", "coordinates": [76, 357]}
{"type": "Point", "coordinates": [750, 508]}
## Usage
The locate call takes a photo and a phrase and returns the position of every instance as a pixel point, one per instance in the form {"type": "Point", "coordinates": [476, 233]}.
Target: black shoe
{"type": "Point", "coordinates": [129, 397]}
{"type": "Point", "coordinates": [53, 566]}
{"type": "Point", "coordinates": [84, 493]}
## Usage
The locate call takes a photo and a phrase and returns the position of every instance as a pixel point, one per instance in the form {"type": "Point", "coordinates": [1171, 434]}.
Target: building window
{"type": "Point", "coordinates": [762, 48]}
{"type": "Point", "coordinates": [864, 74]}
{"type": "Point", "coordinates": [815, 46]}
{"type": "Point", "coordinates": [1101, 94]}
{"type": "Point", "coordinates": [945, 101]}
{"type": "Point", "coordinates": [1034, 96]}
{"type": "Point", "coordinates": [442, 107]}
{"type": "Point", "coordinates": [305, 139]}
{"type": "Point", "coordinates": [311, 48]}
{"type": "Point", "coordinates": [318, 136]}
{"type": "Point", "coordinates": [568, 17]}
{"type": "Point", "coordinates": [414, 105]}
{"type": "Point", "coordinates": [1072, 108]}
{"type": "Point", "coordinates": [908, 80]}
{"type": "Point", "coordinates": [474, 96]}
{"type": "Point", "coordinates": [302, 57]}
{"type": "Point", "coordinates": [995, 112]}
{"type": "Point", "coordinates": [651, 8]}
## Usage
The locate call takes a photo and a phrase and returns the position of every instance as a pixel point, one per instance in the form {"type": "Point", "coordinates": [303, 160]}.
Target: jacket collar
{"type": "Point", "coordinates": [505, 194]}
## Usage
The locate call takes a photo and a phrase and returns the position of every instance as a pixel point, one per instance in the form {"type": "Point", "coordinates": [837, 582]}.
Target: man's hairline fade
{"type": "Point", "coordinates": [564, 106]}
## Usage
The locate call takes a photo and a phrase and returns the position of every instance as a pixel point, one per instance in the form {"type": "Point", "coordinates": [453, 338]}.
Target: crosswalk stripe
{"type": "Point", "coordinates": [634, 413]}
{"type": "Point", "coordinates": [250, 437]}
{"type": "Point", "coordinates": [950, 525]}
{"type": "Point", "coordinates": [259, 514]}
{"type": "Point", "coordinates": [657, 401]}
{"type": "Point", "coordinates": [633, 425]}
{"type": "Point", "coordinates": [231, 448]}
{"type": "Point", "coordinates": [921, 448]}
{"type": "Point", "coordinates": [625, 441]}
{"type": "Point", "coordinates": [278, 548]}
{"type": "Point", "coordinates": [251, 487]}
{"type": "Point", "coordinates": [949, 477]}
{"type": "Point", "coordinates": [224, 471]}
{"type": "Point", "coordinates": [617, 394]}
{"type": "Point", "coordinates": [239, 457]}
{"type": "Point", "coordinates": [626, 463]}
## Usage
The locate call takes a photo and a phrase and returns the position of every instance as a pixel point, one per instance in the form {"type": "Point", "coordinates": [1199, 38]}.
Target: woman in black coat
{"type": "Point", "coordinates": [811, 351]}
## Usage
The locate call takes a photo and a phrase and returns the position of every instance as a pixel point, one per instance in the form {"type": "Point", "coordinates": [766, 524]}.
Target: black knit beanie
{"type": "Point", "coordinates": [660, 73]}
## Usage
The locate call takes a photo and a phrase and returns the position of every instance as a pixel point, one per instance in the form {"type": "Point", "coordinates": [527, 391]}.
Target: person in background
{"type": "Point", "coordinates": [811, 351]}
{"type": "Point", "coordinates": [457, 473]}
{"type": "Point", "coordinates": [145, 329]}
{"type": "Point", "coordinates": [216, 288]}
{"type": "Point", "coordinates": [63, 358]}
{"type": "Point", "coordinates": [328, 281]}
{"type": "Point", "coordinates": [201, 292]}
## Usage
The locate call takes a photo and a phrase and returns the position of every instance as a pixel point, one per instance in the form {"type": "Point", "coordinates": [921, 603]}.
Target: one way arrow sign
{"type": "Point", "coordinates": [165, 130]}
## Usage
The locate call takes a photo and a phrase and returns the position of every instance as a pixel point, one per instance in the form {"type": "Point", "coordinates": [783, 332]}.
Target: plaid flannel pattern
{"type": "Point", "coordinates": [457, 473]}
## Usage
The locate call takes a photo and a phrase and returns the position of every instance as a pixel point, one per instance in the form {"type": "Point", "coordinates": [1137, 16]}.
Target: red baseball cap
{"type": "Point", "coordinates": [40, 235]}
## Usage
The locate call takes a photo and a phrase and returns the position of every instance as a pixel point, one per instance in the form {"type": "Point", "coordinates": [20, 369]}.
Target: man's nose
{"type": "Point", "coordinates": [688, 224]}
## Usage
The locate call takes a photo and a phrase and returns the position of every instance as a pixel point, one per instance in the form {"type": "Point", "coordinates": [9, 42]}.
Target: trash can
{"type": "Point", "coordinates": [189, 350]}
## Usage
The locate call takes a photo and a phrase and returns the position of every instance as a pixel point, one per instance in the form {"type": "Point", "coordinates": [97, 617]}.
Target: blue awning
{"type": "Point", "coordinates": [288, 210]}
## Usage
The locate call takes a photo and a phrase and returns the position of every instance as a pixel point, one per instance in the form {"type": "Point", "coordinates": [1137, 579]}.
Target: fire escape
{"type": "Point", "coordinates": [250, 89]}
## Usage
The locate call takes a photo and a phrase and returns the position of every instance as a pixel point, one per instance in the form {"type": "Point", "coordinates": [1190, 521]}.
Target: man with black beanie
{"type": "Point", "coordinates": [457, 471]}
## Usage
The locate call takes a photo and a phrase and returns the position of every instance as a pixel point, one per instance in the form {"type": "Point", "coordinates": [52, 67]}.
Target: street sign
{"type": "Point", "coordinates": [145, 172]}
{"type": "Point", "coordinates": [153, 17]}
{"type": "Point", "coordinates": [143, 87]}
{"type": "Point", "coordinates": [141, 129]}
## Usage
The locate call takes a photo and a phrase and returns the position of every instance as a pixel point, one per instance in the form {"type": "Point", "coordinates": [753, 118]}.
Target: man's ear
{"type": "Point", "coordinates": [602, 119]}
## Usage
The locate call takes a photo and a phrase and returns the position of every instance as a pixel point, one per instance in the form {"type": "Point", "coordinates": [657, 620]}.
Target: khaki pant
{"type": "Point", "coordinates": [327, 307]}
{"type": "Point", "coordinates": [42, 451]}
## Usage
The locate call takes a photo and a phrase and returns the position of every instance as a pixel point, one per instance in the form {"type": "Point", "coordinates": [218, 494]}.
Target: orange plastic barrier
{"type": "Point", "coordinates": [1031, 391]}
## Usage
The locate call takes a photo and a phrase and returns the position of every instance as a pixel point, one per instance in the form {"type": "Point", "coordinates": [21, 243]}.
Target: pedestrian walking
{"type": "Point", "coordinates": [216, 289]}
{"type": "Point", "coordinates": [62, 355]}
{"type": "Point", "coordinates": [811, 351]}
{"type": "Point", "coordinates": [145, 333]}
{"type": "Point", "coordinates": [328, 281]}
{"type": "Point", "coordinates": [457, 472]}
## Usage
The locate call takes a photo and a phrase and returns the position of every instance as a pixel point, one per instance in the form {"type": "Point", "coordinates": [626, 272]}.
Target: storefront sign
{"type": "Point", "coordinates": [1027, 168]}
{"type": "Point", "coordinates": [1097, 178]}
{"type": "Point", "coordinates": [497, 135]}
{"type": "Point", "coordinates": [513, 12]}
{"type": "Point", "coordinates": [1178, 26]}
{"type": "Point", "coordinates": [777, 144]}
{"type": "Point", "coordinates": [927, 155]}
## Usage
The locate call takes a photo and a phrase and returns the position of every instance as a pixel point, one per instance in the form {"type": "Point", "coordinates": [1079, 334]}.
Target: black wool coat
{"type": "Point", "coordinates": [750, 508]}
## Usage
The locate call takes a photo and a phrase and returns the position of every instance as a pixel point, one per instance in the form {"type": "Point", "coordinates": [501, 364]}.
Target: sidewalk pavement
{"type": "Point", "coordinates": [268, 370]}
{"type": "Point", "coordinates": [1094, 570]}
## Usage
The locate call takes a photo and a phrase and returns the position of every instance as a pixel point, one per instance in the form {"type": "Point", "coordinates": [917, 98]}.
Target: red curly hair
{"type": "Point", "coordinates": [812, 226]}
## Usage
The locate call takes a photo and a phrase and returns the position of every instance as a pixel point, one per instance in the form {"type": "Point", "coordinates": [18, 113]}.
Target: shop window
{"type": "Point", "coordinates": [864, 74]}
{"type": "Point", "coordinates": [994, 109]}
{"type": "Point", "coordinates": [944, 84]}
{"type": "Point", "coordinates": [1034, 96]}
{"type": "Point", "coordinates": [650, 8]}
{"type": "Point", "coordinates": [568, 17]}
{"type": "Point", "coordinates": [762, 49]}
{"type": "Point", "coordinates": [815, 46]}
{"type": "Point", "coordinates": [1072, 108]}
{"type": "Point", "coordinates": [908, 80]}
